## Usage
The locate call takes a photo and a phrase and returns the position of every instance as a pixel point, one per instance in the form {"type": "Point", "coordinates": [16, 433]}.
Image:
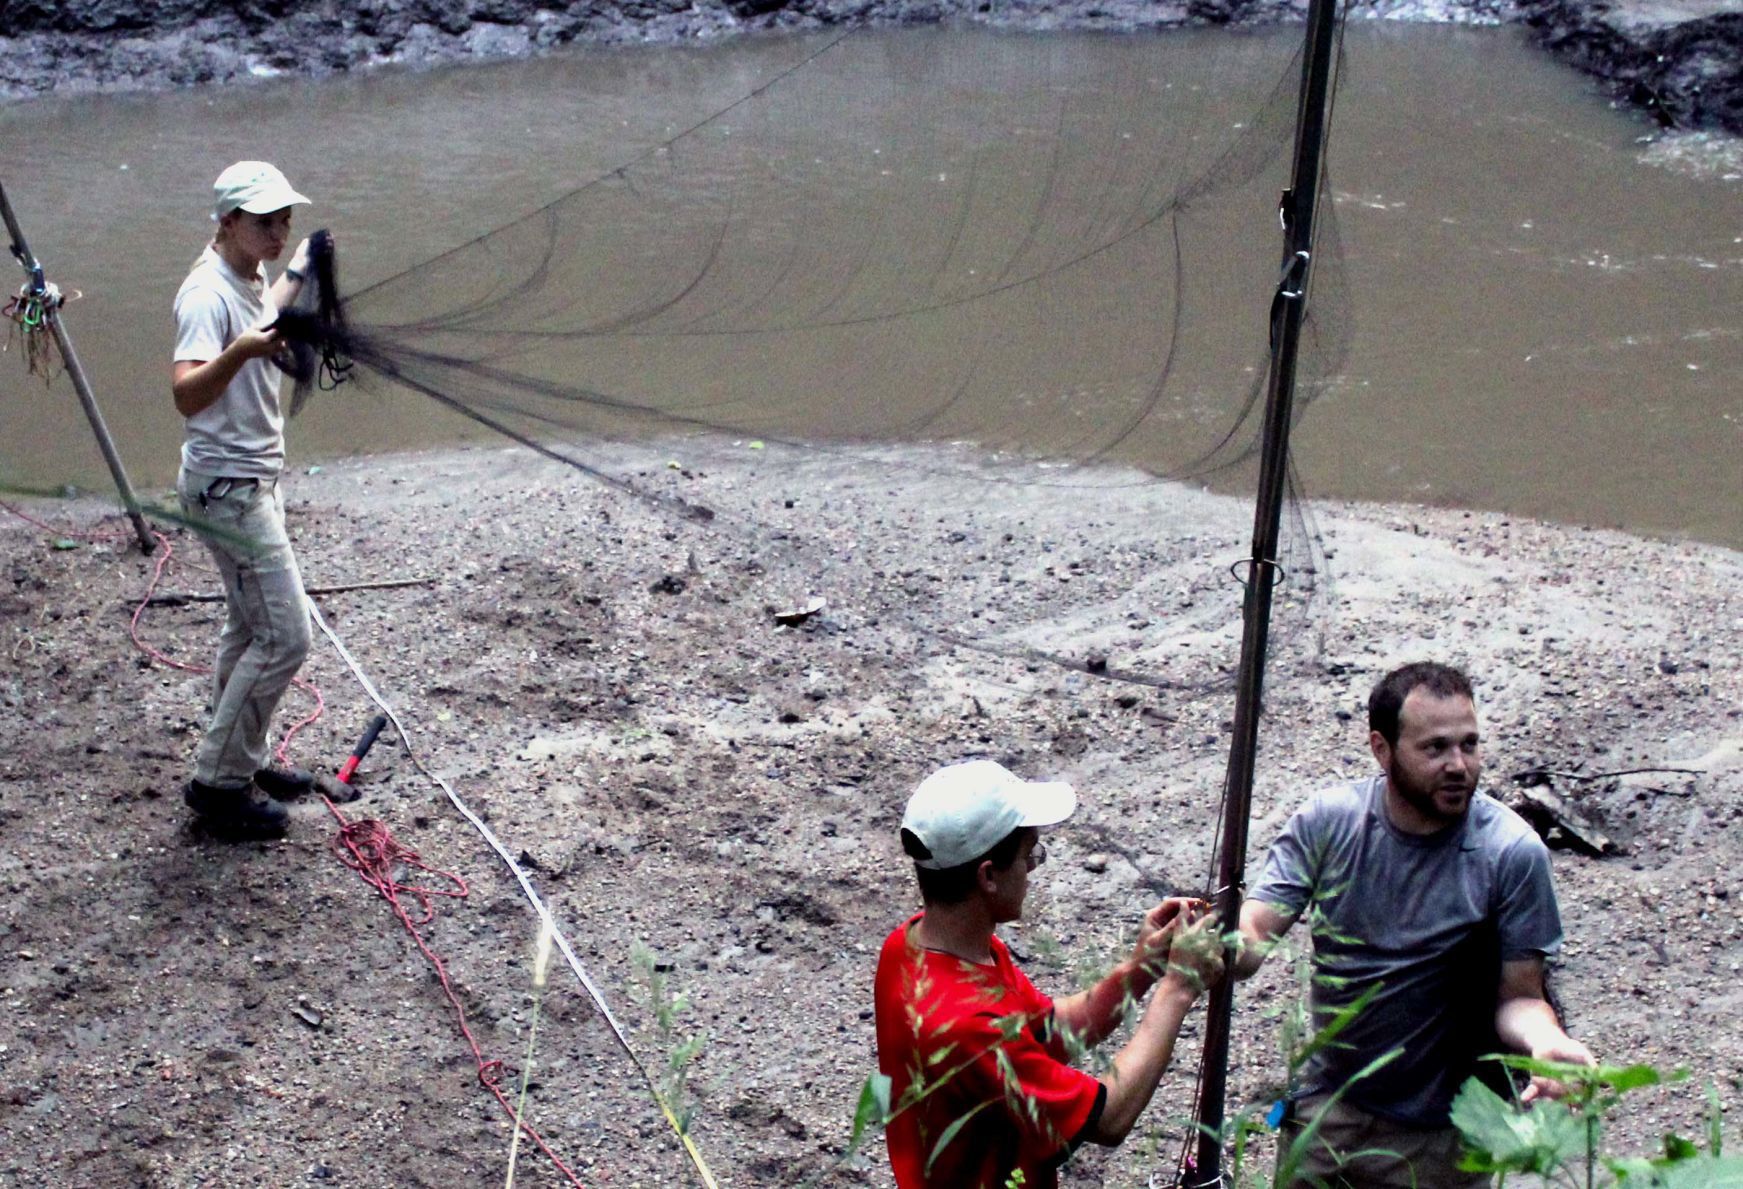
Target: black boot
{"type": "Point", "coordinates": [284, 784]}
{"type": "Point", "coordinates": [238, 812]}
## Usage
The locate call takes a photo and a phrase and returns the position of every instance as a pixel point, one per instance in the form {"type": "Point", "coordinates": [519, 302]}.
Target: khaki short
{"type": "Point", "coordinates": [1363, 1151]}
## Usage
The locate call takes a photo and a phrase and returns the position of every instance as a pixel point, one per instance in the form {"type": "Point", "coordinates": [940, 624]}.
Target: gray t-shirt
{"type": "Point", "coordinates": [241, 434]}
{"type": "Point", "coordinates": [1428, 917]}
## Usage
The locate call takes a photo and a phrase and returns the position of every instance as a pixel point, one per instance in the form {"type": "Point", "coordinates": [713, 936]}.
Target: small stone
{"type": "Point", "coordinates": [1096, 863]}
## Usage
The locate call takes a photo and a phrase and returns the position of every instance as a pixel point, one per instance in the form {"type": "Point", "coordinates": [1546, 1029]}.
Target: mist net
{"type": "Point", "coordinates": [1062, 250]}
{"type": "Point", "coordinates": [1059, 248]}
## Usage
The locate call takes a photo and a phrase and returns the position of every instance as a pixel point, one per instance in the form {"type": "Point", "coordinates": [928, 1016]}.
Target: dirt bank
{"type": "Point", "coordinates": [1680, 60]}
{"type": "Point", "coordinates": [607, 685]}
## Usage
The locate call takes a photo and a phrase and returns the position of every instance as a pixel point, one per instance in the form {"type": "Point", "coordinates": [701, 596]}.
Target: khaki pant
{"type": "Point", "coordinates": [1358, 1150]}
{"type": "Point", "coordinates": [266, 622]}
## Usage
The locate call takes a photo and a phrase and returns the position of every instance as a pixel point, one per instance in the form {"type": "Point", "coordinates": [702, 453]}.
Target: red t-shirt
{"type": "Point", "coordinates": [981, 1039]}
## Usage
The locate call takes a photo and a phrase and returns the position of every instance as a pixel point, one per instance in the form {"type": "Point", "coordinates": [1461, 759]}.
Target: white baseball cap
{"type": "Point", "coordinates": [962, 811]}
{"type": "Point", "coordinates": [252, 186]}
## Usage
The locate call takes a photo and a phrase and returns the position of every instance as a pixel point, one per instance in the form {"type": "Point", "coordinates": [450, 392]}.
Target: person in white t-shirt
{"type": "Point", "coordinates": [226, 384]}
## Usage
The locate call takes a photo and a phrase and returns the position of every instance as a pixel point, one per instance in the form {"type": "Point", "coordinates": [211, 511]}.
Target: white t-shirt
{"type": "Point", "coordinates": [241, 433]}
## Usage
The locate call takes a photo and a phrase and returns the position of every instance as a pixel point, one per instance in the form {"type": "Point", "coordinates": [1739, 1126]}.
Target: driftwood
{"type": "Point", "coordinates": [1536, 776]}
{"type": "Point", "coordinates": [175, 599]}
{"type": "Point", "coordinates": [1557, 821]}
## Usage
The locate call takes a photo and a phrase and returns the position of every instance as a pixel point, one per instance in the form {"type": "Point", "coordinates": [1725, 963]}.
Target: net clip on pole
{"type": "Point", "coordinates": [1294, 275]}
{"type": "Point", "coordinates": [1290, 287]}
{"type": "Point", "coordinates": [1252, 562]}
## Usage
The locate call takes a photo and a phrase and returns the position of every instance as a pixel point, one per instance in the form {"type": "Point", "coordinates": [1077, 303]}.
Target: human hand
{"type": "Point", "coordinates": [1157, 930]}
{"type": "Point", "coordinates": [1195, 957]}
{"type": "Point", "coordinates": [259, 342]}
{"type": "Point", "coordinates": [1561, 1048]}
{"type": "Point", "coordinates": [299, 262]}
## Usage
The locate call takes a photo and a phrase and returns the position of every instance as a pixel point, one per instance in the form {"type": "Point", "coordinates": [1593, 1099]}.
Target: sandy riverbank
{"type": "Point", "coordinates": [606, 683]}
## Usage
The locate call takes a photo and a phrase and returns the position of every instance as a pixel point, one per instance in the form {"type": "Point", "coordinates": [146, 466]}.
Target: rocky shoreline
{"type": "Point", "coordinates": [1680, 61]}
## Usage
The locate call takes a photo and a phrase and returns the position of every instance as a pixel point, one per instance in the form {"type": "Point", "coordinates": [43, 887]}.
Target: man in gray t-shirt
{"type": "Point", "coordinates": [1416, 883]}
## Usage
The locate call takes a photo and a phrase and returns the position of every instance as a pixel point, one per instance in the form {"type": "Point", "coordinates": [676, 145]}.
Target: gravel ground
{"type": "Point", "coordinates": [606, 685]}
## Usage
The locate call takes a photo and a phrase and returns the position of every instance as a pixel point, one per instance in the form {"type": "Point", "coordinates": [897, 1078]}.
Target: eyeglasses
{"type": "Point", "coordinates": [1037, 856]}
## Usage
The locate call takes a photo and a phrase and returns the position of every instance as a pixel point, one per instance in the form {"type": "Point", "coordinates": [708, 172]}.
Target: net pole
{"type": "Point", "coordinates": [37, 286]}
{"type": "Point", "coordinates": [1288, 310]}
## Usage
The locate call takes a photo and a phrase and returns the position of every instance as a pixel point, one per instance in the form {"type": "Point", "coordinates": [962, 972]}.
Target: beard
{"type": "Point", "coordinates": [1438, 800]}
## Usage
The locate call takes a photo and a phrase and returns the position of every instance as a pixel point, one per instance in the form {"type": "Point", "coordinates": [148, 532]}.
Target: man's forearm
{"type": "Point", "coordinates": [287, 288]}
{"type": "Point", "coordinates": [1140, 1064]}
{"type": "Point", "coordinates": [1262, 927]}
{"type": "Point", "coordinates": [1528, 1025]}
{"type": "Point", "coordinates": [200, 388]}
{"type": "Point", "coordinates": [1249, 955]}
{"type": "Point", "coordinates": [1091, 1016]}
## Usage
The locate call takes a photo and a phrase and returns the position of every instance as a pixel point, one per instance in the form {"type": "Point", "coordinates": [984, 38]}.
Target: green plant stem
{"type": "Point", "coordinates": [526, 1076]}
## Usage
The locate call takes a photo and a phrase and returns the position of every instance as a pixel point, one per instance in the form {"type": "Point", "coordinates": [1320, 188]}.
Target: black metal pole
{"type": "Point", "coordinates": [1287, 314]}
{"type": "Point", "coordinates": [81, 385]}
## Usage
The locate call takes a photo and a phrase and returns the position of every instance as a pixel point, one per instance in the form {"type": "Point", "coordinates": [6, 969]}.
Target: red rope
{"type": "Point", "coordinates": [164, 557]}
{"type": "Point", "coordinates": [370, 849]}
{"type": "Point", "coordinates": [367, 847]}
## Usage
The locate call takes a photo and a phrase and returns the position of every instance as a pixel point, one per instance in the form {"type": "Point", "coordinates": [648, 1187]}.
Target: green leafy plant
{"type": "Point", "coordinates": [1301, 1043]}
{"type": "Point", "coordinates": [1561, 1142]}
{"type": "Point", "coordinates": [1301, 1036]}
{"type": "Point", "coordinates": [672, 1091]}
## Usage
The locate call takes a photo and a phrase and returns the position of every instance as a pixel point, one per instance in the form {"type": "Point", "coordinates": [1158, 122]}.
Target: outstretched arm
{"type": "Point", "coordinates": [1091, 1016]}
{"type": "Point", "coordinates": [1194, 962]}
{"type": "Point", "coordinates": [1525, 1021]}
{"type": "Point", "coordinates": [1262, 925]}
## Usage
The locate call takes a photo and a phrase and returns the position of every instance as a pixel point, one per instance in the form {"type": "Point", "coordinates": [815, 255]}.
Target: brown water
{"type": "Point", "coordinates": [1546, 315]}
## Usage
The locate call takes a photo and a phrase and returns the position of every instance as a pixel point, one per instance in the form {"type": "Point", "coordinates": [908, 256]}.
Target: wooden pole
{"type": "Point", "coordinates": [37, 286]}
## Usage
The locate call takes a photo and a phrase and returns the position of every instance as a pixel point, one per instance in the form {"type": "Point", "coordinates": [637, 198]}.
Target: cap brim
{"type": "Point", "coordinates": [1045, 802]}
{"type": "Point", "coordinates": [277, 201]}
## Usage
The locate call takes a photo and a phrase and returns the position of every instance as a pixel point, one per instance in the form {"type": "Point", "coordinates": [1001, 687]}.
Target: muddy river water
{"type": "Point", "coordinates": [1542, 304]}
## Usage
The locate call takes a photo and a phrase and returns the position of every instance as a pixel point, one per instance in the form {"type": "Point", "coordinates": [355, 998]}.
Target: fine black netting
{"type": "Point", "coordinates": [1061, 250]}
{"type": "Point", "coordinates": [1058, 248]}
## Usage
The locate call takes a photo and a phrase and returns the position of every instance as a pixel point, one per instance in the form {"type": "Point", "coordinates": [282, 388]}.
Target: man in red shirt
{"type": "Point", "coordinates": [977, 1057]}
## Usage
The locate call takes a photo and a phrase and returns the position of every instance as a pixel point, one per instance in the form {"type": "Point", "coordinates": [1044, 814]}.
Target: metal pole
{"type": "Point", "coordinates": [1288, 312]}
{"type": "Point", "coordinates": [81, 385]}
